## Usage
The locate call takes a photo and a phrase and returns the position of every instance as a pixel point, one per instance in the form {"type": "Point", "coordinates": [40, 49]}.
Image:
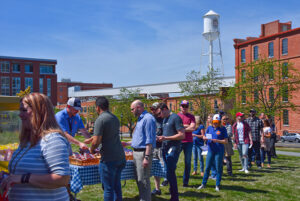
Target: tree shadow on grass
{"type": "Point", "coordinates": [199, 194]}
{"type": "Point", "coordinates": [238, 179]}
{"type": "Point", "coordinates": [242, 189]}
{"type": "Point", "coordinates": [284, 168]}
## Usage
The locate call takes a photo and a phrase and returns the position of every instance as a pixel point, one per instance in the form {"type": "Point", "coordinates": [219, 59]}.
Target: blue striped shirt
{"type": "Point", "coordinates": [49, 156]}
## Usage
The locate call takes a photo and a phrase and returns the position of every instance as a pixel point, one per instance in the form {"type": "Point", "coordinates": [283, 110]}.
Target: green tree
{"type": "Point", "coordinates": [266, 85]}
{"type": "Point", "coordinates": [202, 90]}
{"type": "Point", "coordinates": [121, 107]}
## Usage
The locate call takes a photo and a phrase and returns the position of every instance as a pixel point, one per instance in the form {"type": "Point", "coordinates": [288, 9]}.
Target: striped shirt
{"type": "Point", "coordinates": [49, 156]}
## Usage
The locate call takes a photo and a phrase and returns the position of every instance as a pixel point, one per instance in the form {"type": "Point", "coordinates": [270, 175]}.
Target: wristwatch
{"type": "Point", "coordinates": [146, 157]}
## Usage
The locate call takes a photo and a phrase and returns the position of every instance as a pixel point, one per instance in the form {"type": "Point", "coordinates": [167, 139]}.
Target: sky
{"type": "Point", "coordinates": [131, 42]}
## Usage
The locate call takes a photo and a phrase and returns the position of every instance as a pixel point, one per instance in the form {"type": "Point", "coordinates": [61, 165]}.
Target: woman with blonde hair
{"type": "Point", "coordinates": [39, 168]}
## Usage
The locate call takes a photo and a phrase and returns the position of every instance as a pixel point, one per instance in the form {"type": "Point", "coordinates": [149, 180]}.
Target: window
{"type": "Point", "coordinates": [5, 67]}
{"type": "Point", "coordinates": [170, 105]}
{"type": "Point", "coordinates": [41, 85]}
{"type": "Point", "coordinates": [16, 68]}
{"type": "Point", "coordinates": [285, 117]}
{"type": "Point", "coordinates": [284, 46]}
{"type": "Point", "coordinates": [255, 52]}
{"type": "Point", "coordinates": [284, 70]}
{"type": "Point", "coordinates": [243, 55]}
{"type": "Point", "coordinates": [284, 27]}
{"type": "Point", "coordinates": [271, 73]}
{"type": "Point", "coordinates": [243, 97]}
{"type": "Point", "coordinates": [271, 94]}
{"type": "Point", "coordinates": [46, 69]}
{"type": "Point", "coordinates": [16, 85]}
{"type": "Point", "coordinates": [49, 87]}
{"type": "Point", "coordinates": [5, 86]}
{"type": "Point", "coordinates": [271, 49]}
{"type": "Point", "coordinates": [28, 68]}
{"type": "Point", "coordinates": [60, 89]}
{"type": "Point", "coordinates": [285, 94]}
{"type": "Point", "coordinates": [256, 96]}
{"type": "Point", "coordinates": [29, 83]}
{"type": "Point", "coordinates": [243, 75]}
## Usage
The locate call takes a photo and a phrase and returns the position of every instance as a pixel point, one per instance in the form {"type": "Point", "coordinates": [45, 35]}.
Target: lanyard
{"type": "Point", "coordinates": [12, 171]}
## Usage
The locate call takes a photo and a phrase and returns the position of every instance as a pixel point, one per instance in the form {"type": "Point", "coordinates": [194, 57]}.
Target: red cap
{"type": "Point", "coordinates": [239, 114]}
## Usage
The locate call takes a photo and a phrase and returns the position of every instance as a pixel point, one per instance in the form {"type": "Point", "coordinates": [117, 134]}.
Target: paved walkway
{"type": "Point", "coordinates": [288, 153]}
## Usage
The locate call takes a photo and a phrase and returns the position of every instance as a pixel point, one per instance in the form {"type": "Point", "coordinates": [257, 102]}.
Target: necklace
{"type": "Point", "coordinates": [14, 169]}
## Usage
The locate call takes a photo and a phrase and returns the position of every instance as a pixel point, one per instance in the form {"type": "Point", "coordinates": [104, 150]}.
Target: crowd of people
{"type": "Point", "coordinates": [39, 168]}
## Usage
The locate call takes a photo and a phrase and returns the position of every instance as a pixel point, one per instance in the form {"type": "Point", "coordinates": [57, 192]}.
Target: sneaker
{"type": "Point", "coordinates": [194, 173]}
{"type": "Point", "coordinates": [201, 187]}
{"type": "Point", "coordinates": [242, 170]}
{"type": "Point", "coordinates": [213, 178]}
{"type": "Point", "coordinates": [164, 183]}
{"type": "Point", "coordinates": [156, 192]}
{"type": "Point", "coordinates": [259, 167]}
{"type": "Point", "coordinates": [217, 188]}
{"type": "Point", "coordinates": [246, 171]}
{"type": "Point", "coordinates": [185, 185]}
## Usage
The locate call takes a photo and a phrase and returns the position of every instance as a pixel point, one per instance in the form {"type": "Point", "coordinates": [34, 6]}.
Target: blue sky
{"type": "Point", "coordinates": [130, 42]}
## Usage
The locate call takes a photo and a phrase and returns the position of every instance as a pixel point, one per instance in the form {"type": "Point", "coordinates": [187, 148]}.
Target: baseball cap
{"type": "Point", "coordinates": [75, 102]}
{"type": "Point", "coordinates": [154, 105]}
{"type": "Point", "coordinates": [184, 102]}
{"type": "Point", "coordinates": [239, 114]}
{"type": "Point", "coordinates": [216, 118]}
{"type": "Point", "coordinates": [253, 110]}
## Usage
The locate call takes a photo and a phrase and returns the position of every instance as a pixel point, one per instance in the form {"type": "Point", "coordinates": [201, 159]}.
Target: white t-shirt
{"type": "Point", "coordinates": [240, 129]}
{"type": "Point", "coordinates": [267, 130]}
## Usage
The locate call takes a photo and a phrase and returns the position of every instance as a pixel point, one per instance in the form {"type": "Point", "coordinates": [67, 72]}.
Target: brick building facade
{"type": "Point", "coordinates": [62, 88]}
{"type": "Point", "coordinates": [280, 42]}
{"type": "Point", "coordinates": [17, 73]}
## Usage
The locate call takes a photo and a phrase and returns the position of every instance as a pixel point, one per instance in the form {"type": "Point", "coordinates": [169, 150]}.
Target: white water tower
{"type": "Point", "coordinates": [211, 32]}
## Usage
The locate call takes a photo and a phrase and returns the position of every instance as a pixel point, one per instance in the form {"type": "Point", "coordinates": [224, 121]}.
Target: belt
{"type": "Point", "coordinates": [139, 149]}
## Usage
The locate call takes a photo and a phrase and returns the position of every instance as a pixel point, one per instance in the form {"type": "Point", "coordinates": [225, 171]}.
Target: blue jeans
{"type": "Point", "coordinates": [216, 157]}
{"type": "Point", "coordinates": [263, 155]}
{"type": "Point", "coordinates": [213, 169]}
{"type": "Point", "coordinates": [243, 151]}
{"type": "Point", "coordinates": [187, 149]}
{"type": "Point", "coordinates": [170, 156]}
{"type": "Point", "coordinates": [110, 173]}
{"type": "Point", "coordinates": [197, 152]}
{"type": "Point", "coordinates": [254, 154]}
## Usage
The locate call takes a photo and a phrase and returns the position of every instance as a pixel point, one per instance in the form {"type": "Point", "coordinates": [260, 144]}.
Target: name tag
{"type": "Point", "coordinates": [208, 136]}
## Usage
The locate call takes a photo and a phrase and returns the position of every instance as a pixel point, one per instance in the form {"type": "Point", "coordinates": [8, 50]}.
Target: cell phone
{"type": "Point", "coordinates": [250, 146]}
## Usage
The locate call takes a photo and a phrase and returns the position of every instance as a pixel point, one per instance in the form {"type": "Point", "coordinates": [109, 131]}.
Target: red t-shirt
{"type": "Point", "coordinates": [187, 119]}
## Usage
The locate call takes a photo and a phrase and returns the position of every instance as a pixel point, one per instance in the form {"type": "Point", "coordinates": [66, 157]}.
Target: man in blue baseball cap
{"type": "Point", "coordinates": [70, 122]}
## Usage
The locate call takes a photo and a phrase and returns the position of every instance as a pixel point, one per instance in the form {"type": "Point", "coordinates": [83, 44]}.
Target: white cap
{"type": "Point", "coordinates": [75, 102]}
{"type": "Point", "coordinates": [216, 117]}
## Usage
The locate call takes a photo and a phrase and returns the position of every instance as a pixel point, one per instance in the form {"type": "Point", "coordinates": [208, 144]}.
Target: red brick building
{"type": "Point", "coordinates": [280, 42]}
{"type": "Point", "coordinates": [62, 88]}
{"type": "Point", "coordinates": [17, 73]}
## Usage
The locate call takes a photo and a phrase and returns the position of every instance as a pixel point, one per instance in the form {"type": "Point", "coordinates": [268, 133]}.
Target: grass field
{"type": "Point", "coordinates": [288, 149]}
{"type": "Point", "coordinates": [280, 182]}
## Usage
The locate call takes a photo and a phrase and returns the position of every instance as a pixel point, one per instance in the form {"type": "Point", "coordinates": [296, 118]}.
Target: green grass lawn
{"type": "Point", "coordinates": [280, 182]}
{"type": "Point", "coordinates": [288, 149]}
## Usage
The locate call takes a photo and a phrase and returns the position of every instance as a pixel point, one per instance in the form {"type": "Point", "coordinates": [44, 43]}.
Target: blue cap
{"type": "Point", "coordinates": [75, 102]}
{"type": "Point", "coordinates": [184, 102]}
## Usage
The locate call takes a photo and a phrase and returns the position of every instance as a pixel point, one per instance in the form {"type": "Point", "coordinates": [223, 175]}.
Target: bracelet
{"type": "Point", "coordinates": [25, 178]}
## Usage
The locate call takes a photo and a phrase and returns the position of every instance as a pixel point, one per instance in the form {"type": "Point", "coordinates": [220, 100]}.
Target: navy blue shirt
{"type": "Point", "coordinates": [145, 131]}
{"type": "Point", "coordinates": [171, 125]}
{"type": "Point", "coordinates": [196, 140]}
{"type": "Point", "coordinates": [219, 133]}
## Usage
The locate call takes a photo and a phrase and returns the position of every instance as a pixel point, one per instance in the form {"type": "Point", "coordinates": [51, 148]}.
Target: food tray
{"type": "Point", "coordinates": [86, 162]}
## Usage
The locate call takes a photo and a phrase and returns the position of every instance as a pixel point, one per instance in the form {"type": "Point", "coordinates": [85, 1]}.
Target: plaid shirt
{"type": "Point", "coordinates": [256, 125]}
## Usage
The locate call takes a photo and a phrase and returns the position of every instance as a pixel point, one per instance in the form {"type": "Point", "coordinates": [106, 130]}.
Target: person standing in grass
{"type": "Point", "coordinates": [143, 141]}
{"type": "Point", "coordinates": [187, 143]}
{"type": "Point", "coordinates": [106, 132]}
{"type": "Point", "coordinates": [228, 147]}
{"type": "Point", "coordinates": [266, 146]}
{"type": "Point", "coordinates": [216, 137]}
{"type": "Point", "coordinates": [173, 133]}
{"type": "Point", "coordinates": [197, 144]}
{"type": "Point", "coordinates": [242, 139]}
